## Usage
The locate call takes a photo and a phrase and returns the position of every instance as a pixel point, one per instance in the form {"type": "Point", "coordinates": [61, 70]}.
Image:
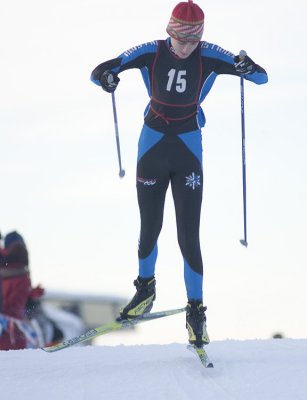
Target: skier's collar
{"type": "Point", "coordinates": [169, 45]}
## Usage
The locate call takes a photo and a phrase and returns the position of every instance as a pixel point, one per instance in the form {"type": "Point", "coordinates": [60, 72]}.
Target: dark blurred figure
{"type": "Point", "coordinates": [20, 303]}
{"type": "Point", "coordinates": [16, 288]}
{"type": "Point", "coordinates": [278, 336]}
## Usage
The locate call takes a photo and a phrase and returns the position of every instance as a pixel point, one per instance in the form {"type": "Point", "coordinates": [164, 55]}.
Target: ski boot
{"type": "Point", "coordinates": [196, 324]}
{"type": "Point", "coordinates": [142, 301]}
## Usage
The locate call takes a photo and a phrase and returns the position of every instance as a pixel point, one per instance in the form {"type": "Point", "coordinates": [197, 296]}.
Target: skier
{"type": "Point", "coordinates": [178, 73]}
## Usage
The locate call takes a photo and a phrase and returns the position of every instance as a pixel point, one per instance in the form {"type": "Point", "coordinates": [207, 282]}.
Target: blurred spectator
{"type": "Point", "coordinates": [20, 303]}
{"type": "Point", "coordinates": [278, 336]}
{"type": "Point", "coordinates": [16, 288]}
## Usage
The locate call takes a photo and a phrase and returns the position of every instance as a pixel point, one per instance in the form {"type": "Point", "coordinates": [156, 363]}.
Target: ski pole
{"type": "Point", "coordinates": [121, 170]}
{"type": "Point", "coordinates": [243, 241]}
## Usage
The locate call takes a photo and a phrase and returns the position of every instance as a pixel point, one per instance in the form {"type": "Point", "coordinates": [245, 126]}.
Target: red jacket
{"type": "Point", "coordinates": [16, 288]}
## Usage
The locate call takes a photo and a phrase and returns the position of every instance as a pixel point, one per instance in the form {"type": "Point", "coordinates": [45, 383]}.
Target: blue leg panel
{"type": "Point", "coordinates": [193, 283]}
{"type": "Point", "coordinates": [147, 265]}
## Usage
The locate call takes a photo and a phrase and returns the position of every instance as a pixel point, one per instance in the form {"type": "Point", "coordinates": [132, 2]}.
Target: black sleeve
{"type": "Point", "coordinates": [101, 68]}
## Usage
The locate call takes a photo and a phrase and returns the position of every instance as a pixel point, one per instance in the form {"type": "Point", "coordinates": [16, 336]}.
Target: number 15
{"type": "Point", "coordinates": [181, 83]}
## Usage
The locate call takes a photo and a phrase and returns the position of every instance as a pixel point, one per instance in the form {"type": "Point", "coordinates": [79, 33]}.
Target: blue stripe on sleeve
{"type": "Point", "coordinates": [207, 85]}
{"type": "Point", "coordinates": [257, 77]}
{"type": "Point", "coordinates": [146, 79]}
{"type": "Point", "coordinates": [96, 81]}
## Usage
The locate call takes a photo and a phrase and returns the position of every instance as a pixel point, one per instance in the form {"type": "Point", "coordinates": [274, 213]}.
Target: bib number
{"type": "Point", "coordinates": [180, 83]}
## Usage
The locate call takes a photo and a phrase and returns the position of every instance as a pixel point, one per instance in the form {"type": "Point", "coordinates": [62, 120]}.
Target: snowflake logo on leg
{"type": "Point", "coordinates": [193, 180]}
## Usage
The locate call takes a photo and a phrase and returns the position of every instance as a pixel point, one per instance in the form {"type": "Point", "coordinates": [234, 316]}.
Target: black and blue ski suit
{"type": "Point", "coordinates": [170, 145]}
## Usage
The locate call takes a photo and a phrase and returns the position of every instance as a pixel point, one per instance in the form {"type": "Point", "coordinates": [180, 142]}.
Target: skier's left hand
{"type": "Point", "coordinates": [244, 65]}
{"type": "Point", "coordinates": [109, 81]}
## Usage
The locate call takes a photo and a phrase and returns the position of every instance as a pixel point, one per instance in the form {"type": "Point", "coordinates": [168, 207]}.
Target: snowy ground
{"type": "Point", "coordinates": [244, 370]}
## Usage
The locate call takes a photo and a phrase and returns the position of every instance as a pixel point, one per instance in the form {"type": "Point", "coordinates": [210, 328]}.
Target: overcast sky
{"type": "Point", "coordinates": [59, 173]}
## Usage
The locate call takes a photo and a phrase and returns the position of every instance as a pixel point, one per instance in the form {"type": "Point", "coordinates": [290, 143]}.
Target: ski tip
{"type": "Point", "coordinates": [47, 349]}
{"type": "Point", "coordinates": [50, 349]}
{"type": "Point", "coordinates": [55, 347]}
{"type": "Point", "coordinates": [200, 352]}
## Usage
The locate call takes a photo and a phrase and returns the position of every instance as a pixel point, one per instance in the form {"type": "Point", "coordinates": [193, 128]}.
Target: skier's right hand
{"type": "Point", "coordinates": [109, 81]}
{"type": "Point", "coordinates": [244, 65]}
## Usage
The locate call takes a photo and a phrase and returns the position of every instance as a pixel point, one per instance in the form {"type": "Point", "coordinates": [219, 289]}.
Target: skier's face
{"type": "Point", "coordinates": [183, 49]}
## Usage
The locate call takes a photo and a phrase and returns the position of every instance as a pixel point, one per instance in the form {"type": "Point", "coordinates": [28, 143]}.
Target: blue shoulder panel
{"type": "Point", "coordinates": [214, 51]}
{"type": "Point", "coordinates": [137, 51]}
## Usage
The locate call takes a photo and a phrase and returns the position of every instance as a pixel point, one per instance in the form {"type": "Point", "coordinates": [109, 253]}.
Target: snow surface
{"type": "Point", "coordinates": [244, 370]}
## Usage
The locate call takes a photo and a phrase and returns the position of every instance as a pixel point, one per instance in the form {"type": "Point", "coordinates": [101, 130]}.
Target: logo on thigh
{"type": "Point", "coordinates": [147, 181]}
{"type": "Point", "coordinates": [193, 180]}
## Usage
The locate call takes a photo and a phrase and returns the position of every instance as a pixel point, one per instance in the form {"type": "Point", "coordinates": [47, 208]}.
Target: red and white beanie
{"type": "Point", "coordinates": [187, 22]}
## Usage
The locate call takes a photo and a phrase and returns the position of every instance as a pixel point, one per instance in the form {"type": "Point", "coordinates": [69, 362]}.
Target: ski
{"type": "Point", "coordinates": [200, 352]}
{"type": "Point", "coordinates": [111, 327]}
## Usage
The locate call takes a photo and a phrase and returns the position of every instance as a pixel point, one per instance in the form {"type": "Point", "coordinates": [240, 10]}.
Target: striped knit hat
{"type": "Point", "coordinates": [187, 22]}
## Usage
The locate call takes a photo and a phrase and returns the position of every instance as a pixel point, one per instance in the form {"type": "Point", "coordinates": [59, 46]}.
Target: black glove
{"type": "Point", "coordinates": [244, 65]}
{"type": "Point", "coordinates": [109, 81]}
